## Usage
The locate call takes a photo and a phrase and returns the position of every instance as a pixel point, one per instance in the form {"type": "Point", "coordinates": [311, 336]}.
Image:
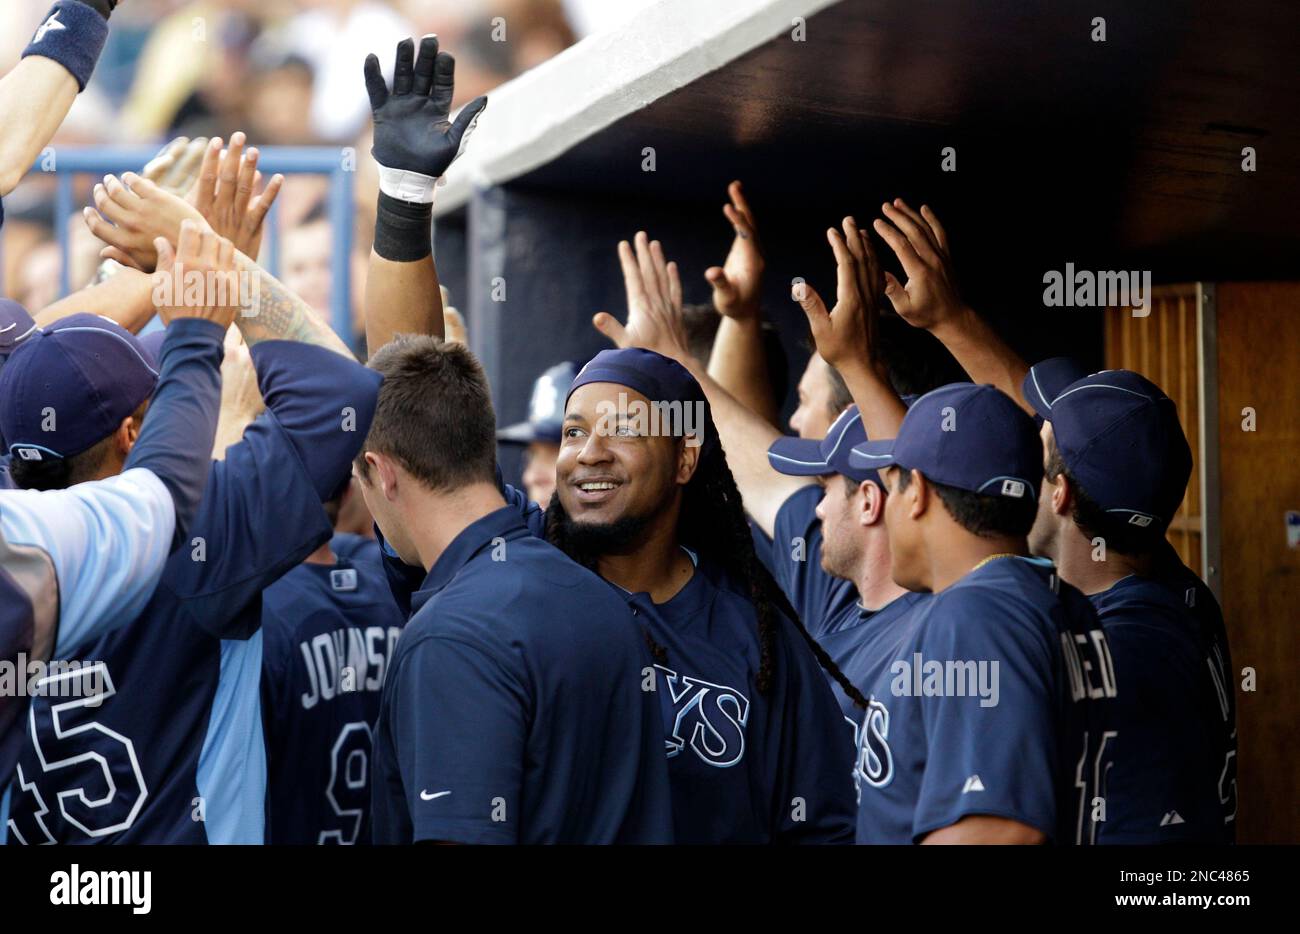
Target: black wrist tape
{"type": "Point", "coordinates": [403, 230]}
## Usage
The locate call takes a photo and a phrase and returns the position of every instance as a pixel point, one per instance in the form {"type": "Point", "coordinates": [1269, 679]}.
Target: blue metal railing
{"type": "Point", "coordinates": [70, 162]}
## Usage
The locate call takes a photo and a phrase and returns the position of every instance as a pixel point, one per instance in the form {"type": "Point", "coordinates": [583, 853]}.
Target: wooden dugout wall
{"type": "Point", "coordinates": [1164, 347]}
{"type": "Point", "coordinates": [1229, 355]}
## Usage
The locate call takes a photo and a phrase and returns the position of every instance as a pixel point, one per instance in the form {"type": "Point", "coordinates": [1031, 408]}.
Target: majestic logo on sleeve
{"type": "Point", "coordinates": [875, 764]}
{"type": "Point", "coordinates": [710, 718]}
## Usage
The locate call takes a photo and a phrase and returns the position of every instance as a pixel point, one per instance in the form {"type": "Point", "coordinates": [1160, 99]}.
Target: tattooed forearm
{"type": "Point", "coordinates": [273, 312]}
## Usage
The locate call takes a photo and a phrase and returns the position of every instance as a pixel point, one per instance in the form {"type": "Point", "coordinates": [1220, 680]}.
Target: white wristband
{"type": "Point", "coordinates": [407, 186]}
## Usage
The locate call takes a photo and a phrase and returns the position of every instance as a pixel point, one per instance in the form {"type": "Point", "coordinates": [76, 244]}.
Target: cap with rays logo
{"type": "Point", "coordinates": [970, 437]}
{"type": "Point", "coordinates": [70, 387]}
{"type": "Point", "coordinates": [1122, 442]}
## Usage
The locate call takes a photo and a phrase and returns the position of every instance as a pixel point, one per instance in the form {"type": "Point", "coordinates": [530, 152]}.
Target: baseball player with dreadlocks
{"type": "Point", "coordinates": [828, 547]}
{"type": "Point", "coordinates": [756, 745]}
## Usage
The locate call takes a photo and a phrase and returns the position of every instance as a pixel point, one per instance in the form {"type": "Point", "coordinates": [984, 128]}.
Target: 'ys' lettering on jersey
{"type": "Point", "coordinates": [709, 719]}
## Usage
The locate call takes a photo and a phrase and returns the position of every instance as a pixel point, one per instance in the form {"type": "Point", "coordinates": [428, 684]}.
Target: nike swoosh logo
{"type": "Point", "coordinates": [425, 796]}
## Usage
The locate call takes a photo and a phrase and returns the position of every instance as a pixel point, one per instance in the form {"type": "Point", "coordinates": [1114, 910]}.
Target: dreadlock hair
{"type": "Point", "coordinates": [712, 522]}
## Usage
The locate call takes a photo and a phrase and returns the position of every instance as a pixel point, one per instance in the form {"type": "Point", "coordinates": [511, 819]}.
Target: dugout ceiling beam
{"type": "Point", "coordinates": [567, 99]}
{"type": "Point", "coordinates": [1113, 154]}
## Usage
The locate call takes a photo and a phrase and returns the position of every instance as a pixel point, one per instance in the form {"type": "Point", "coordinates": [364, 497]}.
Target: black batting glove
{"type": "Point", "coordinates": [415, 142]}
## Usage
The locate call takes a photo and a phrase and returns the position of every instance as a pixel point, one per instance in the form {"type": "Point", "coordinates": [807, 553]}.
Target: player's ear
{"type": "Point", "coordinates": [688, 458]}
{"type": "Point", "coordinates": [383, 474]}
{"type": "Point", "coordinates": [1062, 495]}
{"type": "Point", "coordinates": [873, 503]}
{"type": "Point", "coordinates": [917, 495]}
{"type": "Point", "coordinates": [127, 433]}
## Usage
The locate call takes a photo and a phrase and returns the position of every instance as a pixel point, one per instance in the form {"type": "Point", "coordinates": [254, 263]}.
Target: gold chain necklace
{"type": "Point", "coordinates": [1004, 554]}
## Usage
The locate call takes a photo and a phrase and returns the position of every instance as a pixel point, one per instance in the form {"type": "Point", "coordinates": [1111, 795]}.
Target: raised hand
{"type": "Point", "coordinates": [654, 302]}
{"type": "Point", "coordinates": [414, 139]}
{"type": "Point", "coordinates": [176, 167]}
{"type": "Point", "coordinates": [736, 283]}
{"type": "Point", "coordinates": [224, 193]}
{"type": "Point", "coordinates": [929, 297]}
{"type": "Point", "coordinates": [130, 214]}
{"type": "Point", "coordinates": [201, 266]}
{"type": "Point", "coordinates": [841, 333]}
{"type": "Point", "coordinates": [871, 284]}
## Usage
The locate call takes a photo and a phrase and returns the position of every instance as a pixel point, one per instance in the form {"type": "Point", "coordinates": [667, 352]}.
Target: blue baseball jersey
{"type": "Point", "coordinates": [853, 645]}
{"type": "Point", "coordinates": [515, 709]}
{"type": "Point", "coordinates": [992, 697]}
{"type": "Point", "coordinates": [74, 561]}
{"type": "Point", "coordinates": [746, 767]}
{"type": "Point", "coordinates": [1173, 775]}
{"type": "Point", "coordinates": [80, 562]}
{"type": "Point", "coordinates": [328, 632]}
{"type": "Point", "coordinates": [161, 740]}
{"type": "Point", "coordinates": [829, 606]}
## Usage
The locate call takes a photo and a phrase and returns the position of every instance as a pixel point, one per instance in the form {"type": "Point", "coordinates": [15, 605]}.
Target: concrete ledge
{"type": "Point", "coordinates": [546, 111]}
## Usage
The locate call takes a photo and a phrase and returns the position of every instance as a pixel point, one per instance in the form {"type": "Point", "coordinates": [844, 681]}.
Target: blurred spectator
{"type": "Point", "coordinates": [335, 36]}
{"type": "Point", "coordinates": [538, 30]}
{"type": "Point", "coordinates": [305, 261]}
{"type": "Point", "coordinates": [278, 97]}
{"type": "Point", "coordinates": [173, 62]}
{"type": "Point", "coordinates": [37, 282]}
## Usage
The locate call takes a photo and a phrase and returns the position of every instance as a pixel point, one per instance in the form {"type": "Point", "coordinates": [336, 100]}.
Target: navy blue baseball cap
{"type": "Point", "coordinates": [966, 436]}
{"type": "Point", "coordinates": [1049, 378]}
{"type": "Point", "coordinates": [70, 388]}
{"type": "Point", "coordinates": [1121, 439]}
{"type": "Point", "coordinates": [658, 378]}
{"type": "Point", "coordinates": [805, 457]}
{"type": "Point", "coordinates": [545, 408]}
{"type": "Point", "coordinates": [16, 325]}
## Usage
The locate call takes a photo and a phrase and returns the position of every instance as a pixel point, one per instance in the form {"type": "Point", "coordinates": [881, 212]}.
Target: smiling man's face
{"type": "Point", "coordinates": [609, 470]}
